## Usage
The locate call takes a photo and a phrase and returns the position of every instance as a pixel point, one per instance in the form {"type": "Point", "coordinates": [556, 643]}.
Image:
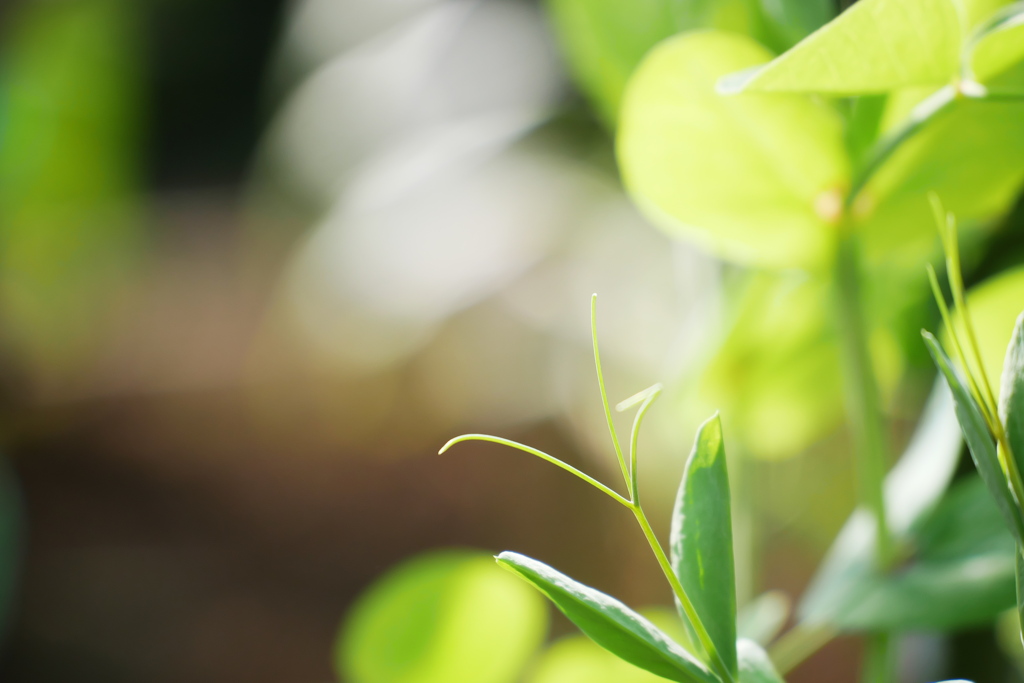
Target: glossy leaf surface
{"type": "Point", "coordinates": [979, 441]}
{"type": "Point", "coordinates": [753, 178]}
{"type": "Point", "coordinates": [609, 623]}
{"type": "Point", "coordinates": [446, 616]}
{"type": "Point", "coordinates": [873, 47]}
{"type": "Point", "coordinates": [701, 545]}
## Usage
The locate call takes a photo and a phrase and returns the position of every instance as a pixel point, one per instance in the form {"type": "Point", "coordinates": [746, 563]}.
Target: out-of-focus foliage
{"type": "Point", "coordinates": [446, 616]}
{"type": "Point", "coordinates": [753, 179]}
{"type": "Point", "coordinates": [993, 306]}
{"type": "Point", "coordinates": [69, 172]}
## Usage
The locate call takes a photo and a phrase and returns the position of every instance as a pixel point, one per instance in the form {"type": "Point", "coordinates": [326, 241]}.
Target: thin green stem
{"type": "Point", "coordinates": [863, 404]}
{"type": "Point", "coordinates": [677, 588]}
{"type": "Point", "coordinates": [604, 399]}
{"type": "Point", "coordinates": [543, 456]}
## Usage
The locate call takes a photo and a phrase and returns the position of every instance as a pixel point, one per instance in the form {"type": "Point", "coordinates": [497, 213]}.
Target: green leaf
{"type": "Point", "coordinates": [754, 179]}
{"type": "Point", "coordinates": [611, 624]}
{"type": "Point", "coordinates": [873, 47]}
{"type": "Point", "coordinates": [755, 666]}
{"type": "Point", "coordinates": [972, 156]}
{"type": "Point", "coordinates": [604, 40]}
{"type": "Point", "coordinates": [1011, 393]}
{"type": "Point", "coordinates": [577, 659]}
{"type": "Point", "coordinates": [701, 545]}
{"type": "Point", "coordinates": [979, 441]}
{"type": "Point", "coordinates": [442, 617]}
{"type": "Point", "coordinates": [998, 44]}
{"type": "Point", "coordinates": [959, 573]}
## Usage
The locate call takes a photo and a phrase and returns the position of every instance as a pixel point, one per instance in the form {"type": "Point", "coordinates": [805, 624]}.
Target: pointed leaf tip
{"type": "Point", "coordinates": [701, 540]}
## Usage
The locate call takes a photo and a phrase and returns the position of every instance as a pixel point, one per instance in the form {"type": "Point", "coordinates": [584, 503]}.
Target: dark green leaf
{"type": "Point", "coordinates": [702, 540]}
{"type": "Point", "coordinates": [755, 667]}
{"type": "Point", "coordinates": [1011, 393]}
{"type": "Point", "coordinates": [793, 20]}
{"type": "Point", "coordinates": [979, 441]}
{"type": "Point", "coordinates": [611, 624]}
{"type": "Point", "coordinates": [1019, 574]}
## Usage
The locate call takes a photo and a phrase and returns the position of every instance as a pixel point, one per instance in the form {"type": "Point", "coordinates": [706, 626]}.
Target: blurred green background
{"type": "Point", "coordinates": [259, 259]}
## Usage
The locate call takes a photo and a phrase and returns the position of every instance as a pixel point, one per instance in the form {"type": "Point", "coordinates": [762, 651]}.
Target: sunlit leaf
{"type": "Point", "coordinates": [701, 549]}
{"type": "Point", "coordinates": [611, 624]}
{"type": "Point", "coordinates": [972, 156]}
{"type": "Point", "coordinates": [755, 667]}
{"type": "Point", "coordinates": [752, 178]}
{"type": "Point", "coordinates": [873, 47]}
{"type": "Point", "coordinates": [998, 44]}
{"type": "Point", "coordinates": [604, 40]}
{"type": "Point", "coordinates": [979, 440]}
{"type": "Point", "coordinates": [446, 616]}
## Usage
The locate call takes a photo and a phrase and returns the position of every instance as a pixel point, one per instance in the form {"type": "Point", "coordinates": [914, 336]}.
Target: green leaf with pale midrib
{"type": "Point", "coordinates": [701, 547]}
{"type": "Point", "coordinates": [873, 47]}
{"type": "Point", "coordinates": [610, 623]}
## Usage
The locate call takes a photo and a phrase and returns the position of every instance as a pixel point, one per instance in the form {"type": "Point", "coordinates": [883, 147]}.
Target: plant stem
{"type": "Point", "coordinates": [677, 588]}
{"type": "Point", "coordinates": [863, 404]}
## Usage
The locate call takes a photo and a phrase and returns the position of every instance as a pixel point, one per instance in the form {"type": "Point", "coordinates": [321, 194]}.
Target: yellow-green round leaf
{"type": "Point", "coordinates": [577, 659]}
{"type": "Point", "coordinates": [442, 617]}
{"type": "Point", "coordinates": [752, 178]}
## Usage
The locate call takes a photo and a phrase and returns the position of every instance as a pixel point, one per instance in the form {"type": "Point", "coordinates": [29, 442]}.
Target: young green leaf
{"type": "Point", "coordinates": [1011, 393]}
{"type": "Point", "coordinates": [998, 44]}
{"type": "Point", "coordinates": [1019, 575]}
{"type": "Point", "coordinates": [874, 47]}
{"type": "Point", "coordinates": [755, 667]}
{"type": "Point", "coordinates": [792, 20]}
{"type": "Point", "coordinates": [701, 545]}
{"type": "Point", "coordinates": [611, 624]}
{"type": "Point", "coordinates": [979, 441]}
{"type": "Point", "coordinates": [755, 179]}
